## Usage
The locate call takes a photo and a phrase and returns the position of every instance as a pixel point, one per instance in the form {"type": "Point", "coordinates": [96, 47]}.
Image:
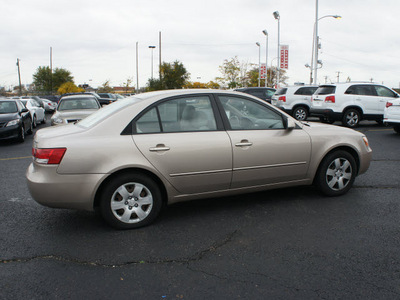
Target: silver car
{"type": "Point", "coordinates": [74, 108]}
{"type": "Point", "coordinates": [135, 155]}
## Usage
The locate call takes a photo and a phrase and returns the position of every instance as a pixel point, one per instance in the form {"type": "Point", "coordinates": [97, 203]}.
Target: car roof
{"type": "Point", "coordinates": [81, 96]}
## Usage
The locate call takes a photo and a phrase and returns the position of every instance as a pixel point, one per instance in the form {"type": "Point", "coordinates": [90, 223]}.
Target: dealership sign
{"type": "Point", "coordinates": [284, 57]}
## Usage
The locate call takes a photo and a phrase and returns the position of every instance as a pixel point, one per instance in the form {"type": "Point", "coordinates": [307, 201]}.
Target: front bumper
{"type": "Point", "coordinates": [76, 191]}
{"type": "Point", "coordinates": [11, 132]}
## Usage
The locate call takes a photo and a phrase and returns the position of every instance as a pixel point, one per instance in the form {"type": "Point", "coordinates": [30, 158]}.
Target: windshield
{"type": "Point", "coordinates": [79, 103]}
{"type": "Point", "coordinates": [107, 111]}
{"type": "Point", "coordinates": [8, 107]}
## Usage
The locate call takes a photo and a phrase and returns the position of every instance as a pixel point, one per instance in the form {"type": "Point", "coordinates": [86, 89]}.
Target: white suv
{"type": "Point", "coordinates": [294, 100]}
{"type": "Point", "coordinates": [351, 102]}
{"type": "Point", "coordinates": [392, 114]}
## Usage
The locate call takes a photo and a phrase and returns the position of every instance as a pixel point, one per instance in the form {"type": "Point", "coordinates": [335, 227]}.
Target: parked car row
{"type": "Point", "coordinates": [349, 102]}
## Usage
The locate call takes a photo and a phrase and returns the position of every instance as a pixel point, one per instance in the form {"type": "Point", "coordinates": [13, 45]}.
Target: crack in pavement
{"type": "Point", "coordinates": [196, 257]}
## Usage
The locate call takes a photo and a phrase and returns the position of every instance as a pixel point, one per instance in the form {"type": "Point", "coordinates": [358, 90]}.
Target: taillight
{"type": "Point", "coordinates": [330, 99]}
{"type": "Point", "coordinates": [48, 156]}
{"type": "Point", "coordinates": [388, 104]}
{"type": "Point", "coordinates": [282, 98]}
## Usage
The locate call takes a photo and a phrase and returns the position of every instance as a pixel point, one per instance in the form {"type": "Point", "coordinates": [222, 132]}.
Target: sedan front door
{"type": "Point", "coordinates": [264, 152]}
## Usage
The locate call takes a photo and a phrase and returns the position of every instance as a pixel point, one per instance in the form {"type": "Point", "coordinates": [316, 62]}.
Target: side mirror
{"type": "Point", "coordinates": [24, 110]}
{"type": "Point", "coordinates": [290, 124]}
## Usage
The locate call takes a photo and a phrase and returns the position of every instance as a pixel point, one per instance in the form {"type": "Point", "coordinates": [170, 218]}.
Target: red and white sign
{"type": "Point", "coordinates": [263, 71]}
{"type": "Point", "coordinates": [284, 57]}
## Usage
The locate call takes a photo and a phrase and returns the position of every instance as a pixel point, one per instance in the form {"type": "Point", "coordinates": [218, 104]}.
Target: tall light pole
{"type": "Point", "coordinates": [278, 17]}
{"type": "Point", "coordinates": [315, 48]}
{"type": "Point", "coordinates": [259, 63]}
{"type": "Point", "coordinates": [152, 48]}
{"type": "Point", "coordinates": [266, 56]}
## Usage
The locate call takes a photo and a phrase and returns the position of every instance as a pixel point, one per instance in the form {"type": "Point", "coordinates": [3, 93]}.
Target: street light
{"type": "Point", "coordinates": [266, 57]}
{"type": "Point", "coordinates": [314, 58]}
{"type": "Point", "coordinates": [259, 62]}
{"type": "Point", "coordinates": [277, 17]}
{"type": "Point", "coordinates": [152, 48]}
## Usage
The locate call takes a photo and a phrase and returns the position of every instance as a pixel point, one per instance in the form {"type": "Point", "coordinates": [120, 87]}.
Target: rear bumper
{"type": "Point", "coordinates": [76, 191]}
{"type": "Point", "coordinates": [326, 113]}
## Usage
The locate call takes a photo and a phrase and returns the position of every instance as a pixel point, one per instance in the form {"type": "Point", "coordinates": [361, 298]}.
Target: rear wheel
{"type": "Point", "coordinates": [130, 201]}
{"type": "Point", "coordinates": [351, 118]}
{"type": "Point", "coordinates": [300, 113]}
{"type": "Point", "coordinates": [336, 173]}
{"type": "Point", "coordinates": [34, 123]}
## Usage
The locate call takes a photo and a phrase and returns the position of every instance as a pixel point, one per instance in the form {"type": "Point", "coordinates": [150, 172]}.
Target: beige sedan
{"type": "Point", "coordinates": [135, 155]}
{"type": "Point", "coordinates": [71, 109]}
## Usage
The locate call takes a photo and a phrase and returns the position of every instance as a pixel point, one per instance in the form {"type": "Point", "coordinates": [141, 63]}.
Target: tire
{"type": "Point", "coordinates": [396, 128]}
{"type": "Point", "coordinates": [130, 200]}
{"type": "Point", "coordinates": [336, 173]}
{"type": "Point", "coordinates": [44, 120]}
{"type": "Point", "coordinates": [351, 118]}
{"type": "Point", "coordinates": [34, 124]}
{"type": "Point", "coordinates": [21, 136]}
{"type": "Point", "coordinates": [300, 113]}
{"type": "Point", "coordinates": [30, 130]}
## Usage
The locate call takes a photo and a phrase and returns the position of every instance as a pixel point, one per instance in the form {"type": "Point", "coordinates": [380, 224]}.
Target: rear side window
{"type": "Point", "coordinates": [325, 90]}
{"type": "Point", "coordinates": [281, 91]}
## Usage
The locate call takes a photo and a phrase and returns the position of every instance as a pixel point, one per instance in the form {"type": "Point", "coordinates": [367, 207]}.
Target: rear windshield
{"type": "Point", "coordinates": [281, 91]}
{"type": "Point", "coordinates": [78, 103]}
{"type": "Point", "coordinates": [325, 90]}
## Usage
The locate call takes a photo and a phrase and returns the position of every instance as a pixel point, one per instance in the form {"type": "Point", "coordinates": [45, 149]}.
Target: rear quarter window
{"type": "Point", "coordinates": [325, 90]}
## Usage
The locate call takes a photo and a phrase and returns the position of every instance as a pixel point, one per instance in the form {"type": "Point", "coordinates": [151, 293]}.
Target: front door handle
{"type": "Point", "coordinates": [244, 143]}
{"type": "Point", "coordinates": [159, 147]}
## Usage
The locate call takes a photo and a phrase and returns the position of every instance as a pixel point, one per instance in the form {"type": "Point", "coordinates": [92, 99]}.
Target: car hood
{"type": "Point", "coordinates": [9, 117]}
{"type": "Point", "coordinates": [328, 129]}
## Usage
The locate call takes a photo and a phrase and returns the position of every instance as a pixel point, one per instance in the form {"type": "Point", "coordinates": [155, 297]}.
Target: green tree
{"type": "Point", "coordinates": [173, 76]}
{"type": "Point", "coordinates": [272, 75]}
{"type": "Point", "coordinates": [105, 87]}
{"type": "Point", "coordinates": [69, 87]}
{"type": "Point", "coordinates": [45, 82]}
{"type": "Point", "coordinates": [127, 85]}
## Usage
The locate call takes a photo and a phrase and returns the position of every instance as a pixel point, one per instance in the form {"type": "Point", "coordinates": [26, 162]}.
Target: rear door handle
{"type": "Point", "coordinates": [159, 147]}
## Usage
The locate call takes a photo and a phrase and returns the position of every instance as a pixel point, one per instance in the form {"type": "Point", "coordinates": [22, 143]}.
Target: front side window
{"type": "Point", "coordinates": [179, 115]}
{"type": "Point", "coordinates": [361, 89]}
{"type": "Point", "coordinates": [244, 114]}
{"type": "Point", "coordinates": [384, 92]}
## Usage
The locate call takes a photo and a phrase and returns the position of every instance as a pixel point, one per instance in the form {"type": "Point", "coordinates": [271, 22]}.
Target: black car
{"type": "Point", "coordinates": [263, 93]}
{"type": "Point", "coordinates": [15, 120]}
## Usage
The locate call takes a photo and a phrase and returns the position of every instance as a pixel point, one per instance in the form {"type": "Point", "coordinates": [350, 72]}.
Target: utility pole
{"type": "Point", "coordinates": [159, 56]}
{"type": "Point", "coordinates": [19, 78]}
{"type": "Point", "coordinates": [51, 70]}
{"type": "Point", "coordinates": [338, 74]}
{"type": "Point", "coordinates": [137, 67]}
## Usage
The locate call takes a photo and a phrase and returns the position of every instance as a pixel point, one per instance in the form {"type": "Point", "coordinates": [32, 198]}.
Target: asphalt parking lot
{"type": "Point", "coordinates": [284, 244]}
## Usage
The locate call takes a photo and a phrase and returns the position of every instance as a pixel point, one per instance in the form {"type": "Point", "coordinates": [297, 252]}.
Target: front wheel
{"type": "Point", "coordinates": [34, 122]}
{"type": "Point", "coordinates": [351, 118]}
{"type": "Point", "coordinates": [21, 136]}
{"type": "Point", "coordinates": [336, 173]}
{"type": "Point", "coordinates": [300, 113]}
{"type": "Point", "coordinates": [130, 201]}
